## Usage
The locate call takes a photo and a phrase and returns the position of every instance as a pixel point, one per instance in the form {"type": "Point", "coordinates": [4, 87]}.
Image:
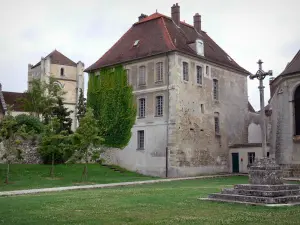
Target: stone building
{"type": "Point", "coordinates": [69, 76]}
{"type": "Point", "coordinates": [191, 97]}
{"type": "Point", "coordinates": [285, 122]}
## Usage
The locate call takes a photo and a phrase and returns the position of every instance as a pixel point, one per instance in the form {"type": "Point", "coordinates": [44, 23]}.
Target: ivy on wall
{"type": "Point", "coordinates": [114, 106]}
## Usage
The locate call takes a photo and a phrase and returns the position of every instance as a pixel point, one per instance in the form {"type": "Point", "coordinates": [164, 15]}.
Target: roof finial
{"type": "Point", "coordinates": [156, 10]}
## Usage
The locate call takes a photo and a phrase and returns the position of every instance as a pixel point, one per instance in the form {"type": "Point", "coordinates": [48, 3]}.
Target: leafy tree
{"type": "Point", "coordinates": [81, 106]}
{"type": "Point", "coordinates": [86, 139]}
{"type": "Point", "coordinates": [11, 137]}
{"type": "Point", "coordinates": [41, 97]}
{"type": "Point", "coordinates": [54, 143]}
{"type": "Point", "coordinates": [112, 100]}
{"type": "Point", "coordinates": [63, 116]}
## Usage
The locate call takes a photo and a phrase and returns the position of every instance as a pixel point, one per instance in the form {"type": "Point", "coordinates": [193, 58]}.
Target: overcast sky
{"type": "Point", "coordinates": [84, 30]}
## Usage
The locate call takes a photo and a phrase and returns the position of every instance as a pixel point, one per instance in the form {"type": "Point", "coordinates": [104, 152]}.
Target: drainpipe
{"type": "Point", "coordinates": [168, 83]}
{"type": "Point", "coordinates": [76, 97]}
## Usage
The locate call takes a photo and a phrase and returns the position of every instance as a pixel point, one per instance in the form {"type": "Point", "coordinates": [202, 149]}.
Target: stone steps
{"type": "Point", "coordinates": [260, 193]}
{"type": "Point", "coordinates": [279, 187]}
{"type": "Point", "coordinates": [256, 199]}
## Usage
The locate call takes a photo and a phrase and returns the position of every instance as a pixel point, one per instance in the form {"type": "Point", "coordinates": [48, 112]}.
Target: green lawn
{"type": "Point", "coordinates": [37, 176]}
{"type": "Point", "coordinates": [163, 203]}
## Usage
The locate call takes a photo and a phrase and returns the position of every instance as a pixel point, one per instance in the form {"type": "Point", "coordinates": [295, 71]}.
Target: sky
{"type": "Point", "coordinates": [85, 30]}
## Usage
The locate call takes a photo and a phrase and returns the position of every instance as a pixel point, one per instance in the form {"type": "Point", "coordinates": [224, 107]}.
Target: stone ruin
{"type": "Point", "coordinates": [265, 187]}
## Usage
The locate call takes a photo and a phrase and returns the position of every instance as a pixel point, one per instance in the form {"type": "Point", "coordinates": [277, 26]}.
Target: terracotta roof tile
{"type": "Point", "coordinates": [58, 58]}
{"type": "Point", "coordinates": [157, 34]}
{"type": "Point", "coordinates": [12, 99]}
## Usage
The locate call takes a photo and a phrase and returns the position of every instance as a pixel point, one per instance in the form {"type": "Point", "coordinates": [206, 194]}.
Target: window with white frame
{"type": "Point", "coordinates": [159, 106]}
{"type": "Point", "coordinates": [142, 107]}
{"type": "Point", "coordinates": [199, 75]}
{"type": "Point", "coordinates": [141, 139]}
{"type": "Point", "coordinates": [185, 71]}
{"type": "Point", "coordinates": [142, 75]}
{"type": "Point", "coordinates": [217, 124]}
{"type": "Point", "coordinates": [159, 72]}
{"type": "Point", "coordinates": [216, 89]}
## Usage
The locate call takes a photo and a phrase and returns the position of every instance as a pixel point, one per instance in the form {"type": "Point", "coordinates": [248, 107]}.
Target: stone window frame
{"type": "Point", "coordinates": [145, 108]}
{"type": "Point", "coordinates": [296, 136]}
{"type": "Point", "coordinates": [202, 74]}
{"type": "Point", "coordinates": [62, 72]}
{"type": "Point", "coordinates": [159, 76]}
{"type": "Point", "coordinates": [207, 70]}
{"type": "Point", "coordinates": [140, 139]}
{"type": "Point", "coordinates": [217, 123]}
{"type": "Point", "coordinates": [159, 107]}
{"type": "Point", "coordinates": [185, 71]}
{"type": "Point", "coordinates": [128, 76]}
{"type": "Point", "coordinates": [251, 157]}
{"type": "Point", "coordinates": [216, 91]}
{"type": "Point", "coordinates": [139, 76]}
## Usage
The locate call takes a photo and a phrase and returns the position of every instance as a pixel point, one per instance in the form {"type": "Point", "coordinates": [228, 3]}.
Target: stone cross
{"type": "Point", "coordinates": [260, 75]}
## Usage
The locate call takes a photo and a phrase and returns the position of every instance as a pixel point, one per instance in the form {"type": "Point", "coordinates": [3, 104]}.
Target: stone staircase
{"type": "Point", "coordinates": [265, 187]}
{"type": "Point", "coordinates": [260, 194]}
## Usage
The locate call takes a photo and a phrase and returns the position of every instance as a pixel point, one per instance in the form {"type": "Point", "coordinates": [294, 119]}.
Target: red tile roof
{"type": "Point", "coordinates": [58, 58]}
{"type": "Point", "coordinates": [12, 99]}
{"type": "Point", "coordinates": [158, 34]}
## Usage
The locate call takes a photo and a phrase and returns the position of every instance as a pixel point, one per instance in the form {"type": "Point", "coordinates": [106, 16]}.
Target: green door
{"type": "Point", "coordinates": [235, 162]}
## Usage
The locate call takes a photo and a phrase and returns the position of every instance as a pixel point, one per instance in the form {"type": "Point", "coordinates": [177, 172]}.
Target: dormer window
{"type": "Point", "coordinates": [136, 43]}
{"type": "Point", "coordinates": [62, 72]}
{"type": "Point", "coordinates": [200, 47]}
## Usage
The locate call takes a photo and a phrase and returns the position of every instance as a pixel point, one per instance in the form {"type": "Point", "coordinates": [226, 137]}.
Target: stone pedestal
{"type": "Point", "coordinates": [266, 187]}
{"type": "Point", "coordinates": [265, 171]}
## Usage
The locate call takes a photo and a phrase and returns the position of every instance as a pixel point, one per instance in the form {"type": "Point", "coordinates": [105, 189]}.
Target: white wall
{"type": "Point", "coordinates": [243, 156]}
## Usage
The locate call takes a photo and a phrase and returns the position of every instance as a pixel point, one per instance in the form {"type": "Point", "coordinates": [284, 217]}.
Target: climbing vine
{"type": "Point", "coordinates": [113, 103]}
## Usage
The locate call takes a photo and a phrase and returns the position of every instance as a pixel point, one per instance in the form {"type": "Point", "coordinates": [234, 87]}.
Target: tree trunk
{"type": "Point", "coordinates": [52, 166]}
{"type": "Point", "coordinates": [7, 173]}
{"type": "Point", "coordinates": [85, 172]}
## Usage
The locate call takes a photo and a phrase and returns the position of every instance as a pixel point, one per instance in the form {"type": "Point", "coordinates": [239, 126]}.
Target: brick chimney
{"type": "Point", "coordinates": [142, 16]}
{"type": "Point", "coordinates": [197, 22]}
{"type": "Point", "coordinates": [175, 14]}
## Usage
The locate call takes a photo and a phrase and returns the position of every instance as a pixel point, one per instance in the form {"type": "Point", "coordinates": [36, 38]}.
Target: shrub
{"type": "Point", "coordinates": [33, 124]}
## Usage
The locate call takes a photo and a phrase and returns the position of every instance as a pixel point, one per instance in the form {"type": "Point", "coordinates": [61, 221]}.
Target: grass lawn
{"type": "Point", "coordinates": [37, 176]}
{"type": "Point", "coordinates": [163, 203]}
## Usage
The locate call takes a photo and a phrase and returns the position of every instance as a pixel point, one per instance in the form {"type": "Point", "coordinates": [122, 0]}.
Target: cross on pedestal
{"type": "Point", "coordinates": [260, 75]}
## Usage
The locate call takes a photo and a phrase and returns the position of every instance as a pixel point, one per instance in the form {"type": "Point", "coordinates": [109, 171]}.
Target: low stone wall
{"type": "Point", "coordinates": [29, 154]}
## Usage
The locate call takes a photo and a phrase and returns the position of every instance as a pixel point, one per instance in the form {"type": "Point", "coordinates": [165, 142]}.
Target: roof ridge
{"type": "Point", "coordinates": [168, 33]}
{"type": "Point", "coordinates": [292, 62]}
{"type": "Point", "coordinates": [109, 50]}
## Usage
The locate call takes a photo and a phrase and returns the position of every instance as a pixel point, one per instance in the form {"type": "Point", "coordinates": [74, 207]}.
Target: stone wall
{"type": "Point", "coordinates": [29, 155]}
{"type": "Point", "coordinates": [194, 147]}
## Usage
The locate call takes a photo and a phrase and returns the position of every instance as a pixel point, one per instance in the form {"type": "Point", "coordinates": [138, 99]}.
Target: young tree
{"type": "Point", "coordinates": [81, 109]}
{"type": "Point", "coordinates": [41, 97]}
{"type": "Point", "coordinates": [11, 137]}
{"type": "Point", "coordinates": [112, 100]}
{"type": "Point", "coordinates": [86, 139]}
{"type": "Point", "coordinates": [54, 142]}
{"type": "Point", "coordinates": [63, 116]}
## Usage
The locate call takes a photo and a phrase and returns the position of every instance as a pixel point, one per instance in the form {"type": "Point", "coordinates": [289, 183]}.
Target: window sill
{"type": "Point", "coordinates": [159, 82]}
{"type": "Point", "coordinates": [141, 117]}
{"type": "Point", "coordinates": [199, 85]}
{"type": "Point", "coordinates": [218, 135]}
{"type": "Point", "coordinates": [142, 85]}
{"type": "Point", "coordinates": [216, 101]}
{"type": "Point", "coordinates": [158, 116]}
{"type": "Point", "coordinates": [140, 149]}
